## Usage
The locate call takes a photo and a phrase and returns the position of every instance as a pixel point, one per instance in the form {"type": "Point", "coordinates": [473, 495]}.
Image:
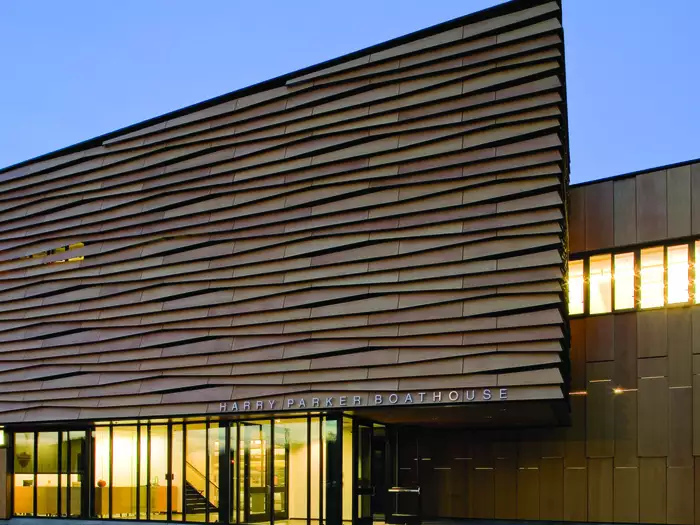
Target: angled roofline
{"type": "Point", "coordinates": [635, 173]}
{"type": "Point", "coordinates": [484, 14]}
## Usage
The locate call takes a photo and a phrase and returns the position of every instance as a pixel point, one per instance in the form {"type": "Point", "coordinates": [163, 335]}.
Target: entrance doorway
{"type": "Point", "coordinates": [369, 472]}
{"type": "Point", "coordinates": [265, 472]}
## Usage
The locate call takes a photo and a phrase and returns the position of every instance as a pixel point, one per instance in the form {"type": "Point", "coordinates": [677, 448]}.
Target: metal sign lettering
{"type": "Point", "coordinates": [309, 402]}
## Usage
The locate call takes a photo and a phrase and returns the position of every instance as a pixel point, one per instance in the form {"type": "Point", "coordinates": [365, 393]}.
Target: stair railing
{"type": "Point", "coordinates": [190, 468]}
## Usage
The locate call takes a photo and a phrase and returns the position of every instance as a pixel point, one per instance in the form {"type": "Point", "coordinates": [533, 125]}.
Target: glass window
{"type": "Point", "coordinates": [652, 276]}
{"type": "Point", "coordinates": [316, 478]}
{"type": "Point", "coordinates": [216, 438]}
{"type": "Point", "coordinates": [196, 503]}
{"type": "Point", "coordinates": [291, 435]}
{"type": "Point", "coordinates": [347, 481]}
{"type": "Point", "coordinates": [75, 472]}
{"type": "Point", "coordinates": [678, 274]}
{"type": "Point", "coordinates": [177, 477]}
{"type": "Point", "coordinates": [158, 458]}
{"type": "Point", "coordinates": [102, 471]}
{"type": "Point", "coordinates": [144, 461]}
{"type": "Point", "coordinates": [124, 474]}
{"type": "Point", "coordinates": [24, 474]}
{"type": "Point", "coordinates": [697, 277]}
{"type": "Point", "coordinates": [575, 287]}
{"type": "Point", "coordinates": [233, 461]}
{"type": "Point", "coordinates": [624, 281]}
{"type": "Point", "coordinates": [600, 278]}
{"type": "Point", "coordinates": [47, 474]}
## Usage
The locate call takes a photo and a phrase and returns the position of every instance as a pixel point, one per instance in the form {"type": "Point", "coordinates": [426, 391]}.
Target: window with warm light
{"type": "Point", "coordinates": [575, 287]}
{"type": "Point", "coordinates": [624, 281]}
{"type": "Point", "coordinates": [600, 279]}
{"type": "Point", "coordinates": [677, 257]}
{"type": "Point", "coordinates": [697, 285]}
{"type": "Point", "coordinates": [652, 277]}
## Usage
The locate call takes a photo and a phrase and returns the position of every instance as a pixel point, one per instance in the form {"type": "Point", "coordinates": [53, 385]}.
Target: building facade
{"type": "Point", "coordinates": [364, 291]}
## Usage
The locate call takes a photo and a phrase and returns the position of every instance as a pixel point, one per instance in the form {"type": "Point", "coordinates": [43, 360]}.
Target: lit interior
{"type": "Point", "coordinates": [678, 274]}
{"type": "Point", "coordinates": [652, 277]}
{"type": "Point", "coordinates": [600, 284]}
{"type": "Point", "coordinates": [624, 281]}
{"type": "Point", "coordinates": [575, 287]}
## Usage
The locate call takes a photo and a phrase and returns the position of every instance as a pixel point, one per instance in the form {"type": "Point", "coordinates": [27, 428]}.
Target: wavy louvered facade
{"type": "Point", "coordinates": [341, 297]}
{"type": "Point", "coordinates": [391, 223]}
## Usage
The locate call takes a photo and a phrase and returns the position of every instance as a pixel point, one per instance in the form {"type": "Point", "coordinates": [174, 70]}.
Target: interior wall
{"type": "Point", "coordinates": [630, 456]}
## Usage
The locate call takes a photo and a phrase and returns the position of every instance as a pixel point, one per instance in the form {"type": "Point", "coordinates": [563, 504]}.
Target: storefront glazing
{"type": "Point", "coordinates": [311, 469]}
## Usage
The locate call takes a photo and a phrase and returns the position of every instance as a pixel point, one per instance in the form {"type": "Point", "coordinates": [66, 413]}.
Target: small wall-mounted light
{"type": "Point", "coordinates": [3, 439]}
{"type": "Point", "coordinates": [618, 390]}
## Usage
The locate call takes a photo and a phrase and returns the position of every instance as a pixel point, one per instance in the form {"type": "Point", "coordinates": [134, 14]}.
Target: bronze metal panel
{"type": "Point", "coordinates": [652, 213]}
{"type": "Point", "coordinates": [679, 201]}
{"type": "Point", "coordinates": [626, 490]}
{"type": "Point", "coordinates": [600, 489]}
{"type": "Point", "coordinates": [625, 206]}
{"type": "Point", "coordinates": [653, 417]}
{"type": "Point", "coordinates": [652, 490]}
{"type": "Point", "coordinates": [600, 232]}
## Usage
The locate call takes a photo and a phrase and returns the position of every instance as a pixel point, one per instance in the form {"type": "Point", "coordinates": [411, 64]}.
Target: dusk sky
{"type": "Point", "coordinates": [76, 69]}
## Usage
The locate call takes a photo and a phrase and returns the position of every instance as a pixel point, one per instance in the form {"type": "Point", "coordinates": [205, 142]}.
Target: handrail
{"type": "Point", "coordinates": [188, 464]}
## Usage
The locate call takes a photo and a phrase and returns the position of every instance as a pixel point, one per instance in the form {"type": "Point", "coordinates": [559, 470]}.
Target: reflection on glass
{"type": "Point", "coordinates": [575, 287]}
{"type": "Point", "coordinates": [24, 474]}
{"type": "Point", "coordinates": [678, 274]}
{"type": "Point", "coordinates": [143, 472]}
{"type": "Point", "coordinates": [124, 475]}
{"type": "Point", "coordinates": [316, 453]}
{"type": "Point", "coordinates": [233, 460]}
{"type": "Point", "coordinates": [364, 472]}
{"type": "Point", "coordinates": [601, 284]}
{"type": "Point", "coordinates": [652, 277]}
{"type": "Point", "coordinates": [624, 281]}
{"type": "Point", "coordinates": [697, 277]}
{"type": "Point", "coordinates": [177, 473]}
{"type": "Point", "coordinates": [215, 440]}
{"type": "Point", "coordinates": [280, 462]}
{"type": "Point", "coordinates": [346, 473]}
{"type": "Point", "coordinates": [195, 473]}
{"type": "Point", "coordinates": [47, 474]}
{"type": "Point", "coordinates": [293, 432]}
{"type": "Point", "coordinates": [102, 465]}
{"type": "Point", "coordinates": [255, 478]}
{"type": "Point", "coordinates": [158, 481]}
{"type": "Point", "coordinates": [75, 472]}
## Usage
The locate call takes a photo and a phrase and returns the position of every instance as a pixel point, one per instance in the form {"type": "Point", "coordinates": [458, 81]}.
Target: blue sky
{"type": "Point", "coordinates": [74, 70]}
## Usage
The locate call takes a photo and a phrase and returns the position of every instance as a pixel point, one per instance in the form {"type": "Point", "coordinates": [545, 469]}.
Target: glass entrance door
{"type": "Point", "coordinates": [264, 479]}
{"type": "Point", "coordinates": [364, 486]}
{"type": "Point", "coordinates": [255, 481]}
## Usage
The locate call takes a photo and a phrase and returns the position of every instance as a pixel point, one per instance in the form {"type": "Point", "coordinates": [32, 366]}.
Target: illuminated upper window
{"type": "Point", "coordinates": [600, 272]}
{"type": "Point", "coordinates": [649, 278]}
{"type": "Point", "coordinates": [624, 281]}
{"type": "Point", "coordinates": [60, 249]}
{"type": "Point", "coordinates": [697, 281]}
{"type": "Point", "coordinates": [678, 274]}
{"type": "Point", "coordinates": [575, 287]}
{"type": "Point", "coordinates": [652, 277]}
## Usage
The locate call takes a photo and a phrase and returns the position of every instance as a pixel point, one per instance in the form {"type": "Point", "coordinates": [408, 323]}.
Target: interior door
{"type": "Point", "coordinates": [364, 486]}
